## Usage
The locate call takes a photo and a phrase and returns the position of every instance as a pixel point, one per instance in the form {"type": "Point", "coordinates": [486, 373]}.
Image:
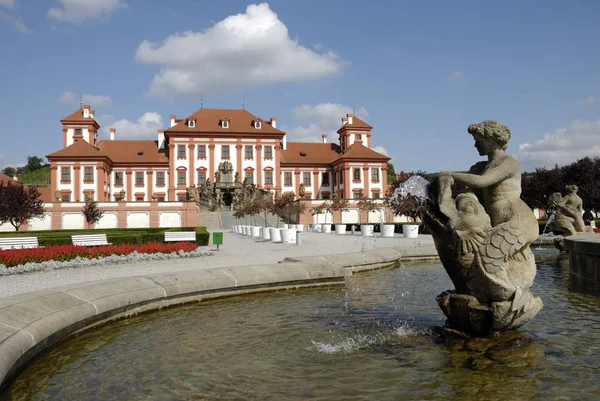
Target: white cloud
{"type": "Point", "coordinates": [242, 51]}
{"type": "Point", "coordinates": [323, 118]}
{"type": "Point", "coordinates": [77, 11]}
{"type": "Point", "coordinates": [95, 101]}
{"type": "Point", "coordinates": [457, 76]}
{"type": "Point", "coordinates": [589, 100]}
{"type": "Point", "coordinates": [563, 146]}
{"type": "Point", "coordinates": [381, 149]}
{"type": "Point", "coordinates": [8, 3]}
{"type": "Point", "coordinates": [145, 127]}
{"type": "Point", "coordinates": [10, 16]}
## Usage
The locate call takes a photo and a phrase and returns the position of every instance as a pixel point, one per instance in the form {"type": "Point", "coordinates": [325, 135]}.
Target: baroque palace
{"type": "Point", "coordinates": [227, 149]}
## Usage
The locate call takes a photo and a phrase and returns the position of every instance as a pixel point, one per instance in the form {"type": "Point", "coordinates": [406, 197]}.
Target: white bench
{"type": "Point", "coordinates": [90, 240]}
{"type": "Point", "coordinates": [19, 243]}
{"type": "Point", "coordinates": [179, 236]}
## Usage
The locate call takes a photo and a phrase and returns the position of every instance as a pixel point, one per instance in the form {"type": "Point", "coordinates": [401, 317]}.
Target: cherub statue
{"type": "Point", "coordinates": [483, 239]}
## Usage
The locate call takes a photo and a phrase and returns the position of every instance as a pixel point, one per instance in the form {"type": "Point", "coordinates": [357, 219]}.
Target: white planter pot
{"type": "Point", "coordinates": [291, 226]}
{"type": "Point", "coordinates": [326, 228]}
{"type": "Point", "coordinates": [366, 230]}
{"type": "Point", "coordinates": [387, 230]}
{"type": "Point", "coordinates": [410, 230]}
{"type": "Point", "coordinates": [285, 226]}
{"type": "Point", "coordinates": [340, 229]}
{"type": "Point", "coordinates": [317, 228]}
{"type": "Point", "coordinates": [288, 236]}
{"type": "Point", "coordinates": [299, 227]}
{"type": "Point", "coordinates": [266, 233]}
{"type": "Point", "coordinates": [248, 231]}
{"type": "Point", "coordinates": [275, 234]}
{"type": "Point", "coordinates": [256, 231]}
{"type": "Point", "coordinates": [244, 228]}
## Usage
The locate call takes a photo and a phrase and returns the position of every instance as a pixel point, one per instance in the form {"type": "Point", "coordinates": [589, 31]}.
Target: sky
{"type": "Point", "coordinates": [419, 72]}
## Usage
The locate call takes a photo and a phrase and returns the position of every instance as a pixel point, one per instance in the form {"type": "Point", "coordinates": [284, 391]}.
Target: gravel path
{"type": "Point", "coordinates": [237, 250]}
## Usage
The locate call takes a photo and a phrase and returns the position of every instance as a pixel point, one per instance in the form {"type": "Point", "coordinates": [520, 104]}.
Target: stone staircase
{"type": "Point", "coordinates": [210, 220]}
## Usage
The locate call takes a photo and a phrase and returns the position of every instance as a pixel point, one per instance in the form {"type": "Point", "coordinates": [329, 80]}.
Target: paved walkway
{"type": "Point", "coordinates": [237, 250]}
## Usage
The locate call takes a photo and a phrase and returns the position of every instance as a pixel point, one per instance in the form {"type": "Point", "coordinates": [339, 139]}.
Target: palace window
{"type": "Point", "coordinates": [249, 177]}
{"type": "Point", "coordinates": [139, 198]}
{"type": "Point", "coordinates": [225, 152]}
{"type": "Point", "coordinates": [181, 151]}
{"type": "Point", "coordinates": [257, 124]}
{"type": "Point", "coordinates": [201, 151]}
{"type": "Point", "coordinates": [118, 178]}
{"type": "Point", "coordinates": [160, 178]}
{"type": "Point", "coordinates": [224, 124]}
{"type": "Point", "coordinates": [181, 178]}
{"type": "Point", "coordinates": [161, 199]}
{"type": "Point", "coordinates": [89, 174]}
{"type": "Point", "coordinates": [341, 177]}
{"type": "Point", "coordinates": [192, 123]}
{"type": "Point", "coordinates": [357, 137]}
{"type": "Point", "coordinates": [306, 178]}
{"type": "Point", "coordinates": [181, 198]}
{"type": "Point", "coordinates": [139, 178]}
{"type": "Point", "coordinates": [356, 174]}
{"type": "Point", "coordinates": [65, 174]}
{"type": "Point", "coordinates": [201, 177]}
{"type": "Point", "coordinates": [356, 195]}
{"type": "Point", "coordinates": [375, 195]}
{"type": "Point", "coordinates": [78, 131]}
{"type": "Point", "coordinates": [287, 179]}
{"type": "Point", "coordinates": [325, 179]}
{"type": "Point", "coordinates": [249, 152]}
{"type": "Point", "coordinates": [375, 174]}
{"type": "Point", "coordinates": [268, 152]}
{"type": "Point", "coordinates": [66, 198]}
{"type": "Point", "coordinates": [268, 178]}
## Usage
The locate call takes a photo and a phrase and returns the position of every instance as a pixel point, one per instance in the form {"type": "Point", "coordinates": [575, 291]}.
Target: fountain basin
{"type": "Point", "coordinates": [32, 322]}
{"type": "Point", "coordinates": [584, 258]}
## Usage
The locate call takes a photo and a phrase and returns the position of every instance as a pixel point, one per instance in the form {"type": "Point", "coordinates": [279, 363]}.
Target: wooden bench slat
{"type": "Point", "coordinates": [19, 243]}
{"type": "Point", "coordinates": [90, 240]}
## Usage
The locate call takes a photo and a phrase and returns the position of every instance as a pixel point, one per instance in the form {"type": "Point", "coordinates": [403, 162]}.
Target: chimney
{"type": "Point", "coordinates": [92, 113]}
{"type": "Point", "coordinates": [350, 118]}
{"type": "Point", "coordinates": [161, 139]}
{"type": "Point", "coordinates": [112, 134]}
{"type": "Point", "coordinates": [273, 122]}
{"type": "Point", "coordinates": [324, 136]}
{"type": "Point", "coordinates": [86, 111]}
{"type": "Point", "coordinates": [344, 120]}
{"type": "Point", "coordinates": [173, 120]}
{"type": "Point", "coordinates": [284, 140]}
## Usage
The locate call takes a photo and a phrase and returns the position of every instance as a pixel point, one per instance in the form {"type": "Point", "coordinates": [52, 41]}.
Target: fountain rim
{"type": "Point", "coordinates": [33, 322]}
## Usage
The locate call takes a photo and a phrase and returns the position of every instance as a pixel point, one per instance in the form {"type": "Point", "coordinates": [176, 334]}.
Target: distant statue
{"type": "Point", "coordinates": [301, 190]}
{"type": "Point", "coordinates": [217, 177]}
{"type": "Point", "coordinates": [57, 196]}
{"type": "Point", "coordinates": [122, 195]}
{"type": "Point", "coordinates": [237, 176]}
{"type": "Point", "coordinates": [568, 214]}
{"type": "Point", "coordinates": [154, 197]}
{"type": "Point", "coordinates": [483, 239]}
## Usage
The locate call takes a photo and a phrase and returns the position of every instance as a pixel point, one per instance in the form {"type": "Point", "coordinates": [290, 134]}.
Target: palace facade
{"type": "Point", "coordinates": [218, 146]}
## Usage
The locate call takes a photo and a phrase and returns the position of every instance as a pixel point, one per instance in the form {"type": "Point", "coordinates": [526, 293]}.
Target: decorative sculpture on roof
{"type": "Point", "coordinates": [483, 239]}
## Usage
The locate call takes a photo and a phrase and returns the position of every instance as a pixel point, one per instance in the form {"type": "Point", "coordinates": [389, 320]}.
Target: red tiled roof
{"type": "Point", "coordinates": [310, 153]}
{"type": "Point", "coordinates": [6, 178]}
{"type": "Point", "coordinates": [357, 151]}
{"type": "Point", "coordinates": [208, 120]}
{"type": "Point", "coordinates": [77, 117]}
{"type": "Point", "coordinates": [357, 123]}
{"type": "Point", "coordinates": [80, 148]}
{"type": "Point", "coordinates": [124, 151]}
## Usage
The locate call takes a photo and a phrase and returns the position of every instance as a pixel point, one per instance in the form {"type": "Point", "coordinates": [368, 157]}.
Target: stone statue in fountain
{"type": "Point", "coordinates": [483, 239]}
{"type": "Point", "coordinates": [568, 211]}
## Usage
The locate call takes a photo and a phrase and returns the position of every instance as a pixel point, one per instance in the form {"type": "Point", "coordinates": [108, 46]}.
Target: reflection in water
{"type": "Point", "coordinates": [373, 339]}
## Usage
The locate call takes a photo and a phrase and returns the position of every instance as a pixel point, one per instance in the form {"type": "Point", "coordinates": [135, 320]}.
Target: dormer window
{"type": "Point", "coordinates": [302, 154]}
{"type": "Point", "coordinates": [224, 124]}
{"type": "Point", "coordinates": [257, 124]}
{"type": "Point", "coordinates": [192, 123]}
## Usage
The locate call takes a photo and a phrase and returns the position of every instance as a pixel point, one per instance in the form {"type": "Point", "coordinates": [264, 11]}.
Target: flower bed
{"type": "Point", "coordinates": [15, 257]}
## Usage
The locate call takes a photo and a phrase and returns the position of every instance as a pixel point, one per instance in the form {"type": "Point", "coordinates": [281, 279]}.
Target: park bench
{"type": "Point", "coordinates": [90, 240]}
{"type": "Point", "coordinates": [179, 236]}
{"type": "Point", "coordinates": [19, 243]}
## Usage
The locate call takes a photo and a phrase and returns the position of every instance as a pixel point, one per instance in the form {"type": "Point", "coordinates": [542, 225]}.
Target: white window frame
{"type": "Point", "coordinates": [257, 125]}
{"type": "Point", "coordinates": [224, 124]}
{"type": "Point", "coordinates": [192, 124]}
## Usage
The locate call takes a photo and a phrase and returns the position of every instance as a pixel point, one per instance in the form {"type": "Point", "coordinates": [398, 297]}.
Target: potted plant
{"type": "Point", "coordinates": [316, 211]}
{"type": "Point", "coordinates": [388, 225]}
{"type": "Point", "coordinates": [326, 227]}
{"type": "Point", "coordinates": [408, 206]}
{"type": "Point", "coordinates": [339, 204]}
{"type": "Point", "coordinates": [366, 206]}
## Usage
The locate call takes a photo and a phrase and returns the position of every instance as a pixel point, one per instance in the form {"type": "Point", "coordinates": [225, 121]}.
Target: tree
{"type": "Point", "coordinates": [34, 163]}
{"type": "Point", "coordinates": [91, 212]}
{"type": "Point", "coordinates": [286, 206]}
{"type": "Point", "coordinates": [10, 171]}
{"type": "Point", "coordinates": [19, 204]}
{"type": "Point", "coordinates": [391, 173]}
{"type": "Point", "coordinates": [366, 205]}
{"type": "Point", "coordinates": [339, 204]}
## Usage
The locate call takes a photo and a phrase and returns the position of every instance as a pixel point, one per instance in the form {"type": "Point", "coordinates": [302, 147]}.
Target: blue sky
{"type": "Point", "coordinates": [418, 71]}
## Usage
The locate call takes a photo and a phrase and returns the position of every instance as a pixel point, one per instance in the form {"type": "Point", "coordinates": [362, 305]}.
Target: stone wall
{"type": "Point", "coordinates": [584, 258]}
